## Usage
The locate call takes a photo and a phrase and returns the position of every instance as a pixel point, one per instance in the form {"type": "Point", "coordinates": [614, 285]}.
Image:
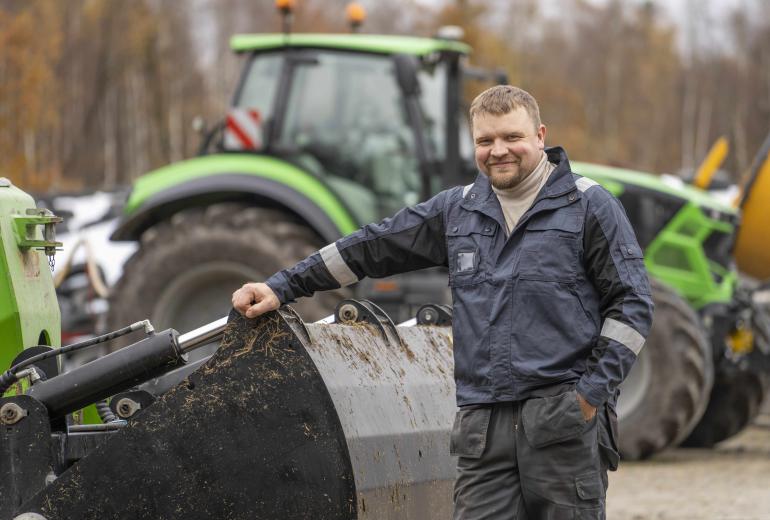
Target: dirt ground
{"type": "Point", "coordinates": [729, 482]}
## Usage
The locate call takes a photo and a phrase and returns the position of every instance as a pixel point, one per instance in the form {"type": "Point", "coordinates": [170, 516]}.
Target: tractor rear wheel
{"type": "Point", "coordinates": [667, 390]}
{"type": "Point", "coordinates": [735, 402]}
{"type": "Point", "coordinates": [187, 267]}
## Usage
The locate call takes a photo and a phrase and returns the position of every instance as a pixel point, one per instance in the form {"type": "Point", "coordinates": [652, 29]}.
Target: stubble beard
{"type": "Point", "coordinates": [508, 180]}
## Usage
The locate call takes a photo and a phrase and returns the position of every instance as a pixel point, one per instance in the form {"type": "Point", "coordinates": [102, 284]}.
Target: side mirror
{"type": "Point", "coordinates": [406, 74]}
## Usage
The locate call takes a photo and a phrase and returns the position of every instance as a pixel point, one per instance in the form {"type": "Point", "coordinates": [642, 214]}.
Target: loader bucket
{"type": "Point", "coordinates": [286, 420]}
{"type": "Point", "coordinates": [752, 250]}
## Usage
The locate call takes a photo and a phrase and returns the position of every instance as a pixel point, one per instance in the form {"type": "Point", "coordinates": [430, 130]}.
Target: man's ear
{"type": "Point", "coordinates": [541, 136]}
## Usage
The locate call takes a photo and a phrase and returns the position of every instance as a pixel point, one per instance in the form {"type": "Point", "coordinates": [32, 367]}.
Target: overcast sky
{"type": "Point", "coordinates": [676, 9]}
{"type": "Point", "coordinates": [712, 14]}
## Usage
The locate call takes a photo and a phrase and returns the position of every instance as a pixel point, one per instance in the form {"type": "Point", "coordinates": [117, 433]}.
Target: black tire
{"type": "Point", "coordinates": [186, 268]}
{"type": "Point", "coordinates": [667, 390]}
{"type": "Point", "coordinates": [735, 402]}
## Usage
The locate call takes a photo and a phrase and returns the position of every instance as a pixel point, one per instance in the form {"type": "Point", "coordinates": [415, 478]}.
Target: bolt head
{"type": "Point", "coordinates": [11, 413]}
{"type": "Point", "coordinates": [125, 408]}
{"type": "Point", "coordinates": [348, 312]}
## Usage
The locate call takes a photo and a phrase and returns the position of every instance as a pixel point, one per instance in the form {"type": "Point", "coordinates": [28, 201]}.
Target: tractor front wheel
{"type": "Point", "coordinates": [187, 267]}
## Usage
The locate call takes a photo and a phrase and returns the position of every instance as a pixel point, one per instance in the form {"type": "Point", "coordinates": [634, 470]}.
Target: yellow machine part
{"type": "Point", "coordinates": [752, 249]}
{"type": "Point", "coordinates": [741, 341]}
{"type": "Point", "coordinates": [711, 163]}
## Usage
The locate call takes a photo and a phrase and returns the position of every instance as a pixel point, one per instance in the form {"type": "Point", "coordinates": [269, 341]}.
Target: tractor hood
{"type": "Point", "coordinates": [614, 178]}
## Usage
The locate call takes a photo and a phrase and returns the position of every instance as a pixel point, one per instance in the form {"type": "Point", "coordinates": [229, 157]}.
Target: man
{"type": "Point", "coordinates": [551, 307]}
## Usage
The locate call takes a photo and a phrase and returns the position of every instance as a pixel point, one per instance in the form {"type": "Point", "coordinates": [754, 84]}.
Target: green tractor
{"type": "Point", "coordinates": [330, 132]}
{"type": "Point", "coordinates": [701, 377]}
{"type": "Point", "coordinates": [354, 127]}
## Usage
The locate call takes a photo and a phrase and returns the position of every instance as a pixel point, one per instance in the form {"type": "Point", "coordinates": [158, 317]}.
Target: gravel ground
{"type": "Point", "coordinates": [731, 481]}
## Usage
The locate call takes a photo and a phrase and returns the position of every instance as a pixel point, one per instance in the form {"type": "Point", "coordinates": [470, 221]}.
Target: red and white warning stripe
{"type": "Point", "coordinates": [243, 130]}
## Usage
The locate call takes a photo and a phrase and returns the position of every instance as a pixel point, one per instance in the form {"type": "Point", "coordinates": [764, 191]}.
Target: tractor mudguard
{"type": "Point", "coordinates": [217, 178]}
{"type": "Point", "coordinates": [286, 420]}
{"type": "Point", "coordinates": [202, 192]}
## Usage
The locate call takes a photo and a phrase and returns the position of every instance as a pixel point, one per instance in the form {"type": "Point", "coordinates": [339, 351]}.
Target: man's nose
{"type": "Point", "coordinates": [498, 148]}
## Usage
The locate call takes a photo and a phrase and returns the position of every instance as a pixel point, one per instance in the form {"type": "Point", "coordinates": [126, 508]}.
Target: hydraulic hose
{"type": "Point", "coordinates": [92, 269]}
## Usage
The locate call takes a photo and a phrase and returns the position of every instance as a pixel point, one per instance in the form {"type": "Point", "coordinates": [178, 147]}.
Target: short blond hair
{"type": "Point", "coordinates": [502, 99]}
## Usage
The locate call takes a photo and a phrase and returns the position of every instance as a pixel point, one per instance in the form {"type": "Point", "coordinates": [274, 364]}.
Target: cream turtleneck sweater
{"type": "Point", "coordinates": [517, 200]}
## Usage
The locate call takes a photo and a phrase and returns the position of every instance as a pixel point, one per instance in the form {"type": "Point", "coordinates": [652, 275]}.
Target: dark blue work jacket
{"type": "Point", "coordinates": [564, 299]}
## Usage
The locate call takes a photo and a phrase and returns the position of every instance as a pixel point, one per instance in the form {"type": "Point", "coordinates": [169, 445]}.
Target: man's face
{"type": "Point", "coordinates": [508, 147]}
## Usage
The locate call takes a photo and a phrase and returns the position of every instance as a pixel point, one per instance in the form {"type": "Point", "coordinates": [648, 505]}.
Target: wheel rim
{"type": "Point", "coordinates": [635, 386]}
{"type": "Point", "coordinates": [200, 295]}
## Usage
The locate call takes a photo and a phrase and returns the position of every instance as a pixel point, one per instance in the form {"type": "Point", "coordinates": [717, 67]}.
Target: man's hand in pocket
{"type": "Point", "coordinates": [588, 410]}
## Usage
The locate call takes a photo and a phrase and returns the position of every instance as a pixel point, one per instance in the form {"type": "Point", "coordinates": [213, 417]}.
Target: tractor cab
{"type": "Point", "coordinates": [377, 119]}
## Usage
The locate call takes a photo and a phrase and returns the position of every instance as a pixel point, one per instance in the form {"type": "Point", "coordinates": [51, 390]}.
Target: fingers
{"type": "Point", "coordinates": [260, 308]}
{"type": "Point", "coordinates": [255, 299]}
{"type": "Point", "coordinates": [244, 298]}
{"type": "Point", "coordinates": [587, 408]}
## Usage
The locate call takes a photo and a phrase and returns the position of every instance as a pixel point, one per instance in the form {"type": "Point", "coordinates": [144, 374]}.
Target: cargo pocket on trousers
{"type": "Point", "coordinates": [590, 492]}
{"type": "Point", "coordinates": [548, 420]}
{"type": "Point", "coordinates": [469, 433]}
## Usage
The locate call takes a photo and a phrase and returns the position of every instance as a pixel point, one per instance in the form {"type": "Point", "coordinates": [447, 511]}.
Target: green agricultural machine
{"type": "Point", "coordinates": [701, 377]}
{"type": "Point", "coordinates": [26, 286]}
{"type": "Point", "coordinates": [330, 132]}
{"type": "Point", "coordinates": [354, 127]}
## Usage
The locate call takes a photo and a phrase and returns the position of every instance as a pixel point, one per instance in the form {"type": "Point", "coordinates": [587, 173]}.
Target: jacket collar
{"type": "Point", "coordinates": [561, 181]}
{"type": "Point", "coordinates": [482, 198]}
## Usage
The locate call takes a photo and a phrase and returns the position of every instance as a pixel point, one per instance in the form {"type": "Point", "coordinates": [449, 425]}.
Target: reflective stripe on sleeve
{"type": "Point", "coordinates": [337, 266]}
{"type": "Point", "coordinates": [623, 334]}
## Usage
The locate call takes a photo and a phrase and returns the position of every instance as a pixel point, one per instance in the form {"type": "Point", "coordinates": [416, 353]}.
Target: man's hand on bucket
{"type": "Point", "coordinates": [255, 299]}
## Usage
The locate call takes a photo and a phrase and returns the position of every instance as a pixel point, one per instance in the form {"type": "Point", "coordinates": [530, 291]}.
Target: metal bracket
{"type": "Point", "coordinates": [24, 228]}
{"type": "Point", "coordinates": [365, 311]}
{"type": "Point", "coordinates": [434, 314]}
{"type": "Point", "coordinates": [26, 454]}
{"type": "Point", "coordinates": [127, 404]}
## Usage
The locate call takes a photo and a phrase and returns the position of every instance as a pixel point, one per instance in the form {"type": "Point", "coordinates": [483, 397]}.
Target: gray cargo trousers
{"type": "Point", "coordinates": [533, 459]}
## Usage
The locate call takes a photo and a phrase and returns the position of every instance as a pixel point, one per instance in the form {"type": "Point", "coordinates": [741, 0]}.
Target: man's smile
{"type": "Point", "coordinates": [502, 163]}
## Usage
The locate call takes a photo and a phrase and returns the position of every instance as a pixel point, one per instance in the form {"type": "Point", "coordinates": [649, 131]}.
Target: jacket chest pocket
{"type": "Point", "coordinates": [551, 247]}
{"type": "Point", "coordinates": [469, 249]}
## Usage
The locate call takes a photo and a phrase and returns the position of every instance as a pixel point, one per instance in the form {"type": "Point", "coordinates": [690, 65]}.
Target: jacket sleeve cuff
{"type": "Point", "coordinates": [280, 286]}
{"type": "Point", "coordinates": [596, 397]}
